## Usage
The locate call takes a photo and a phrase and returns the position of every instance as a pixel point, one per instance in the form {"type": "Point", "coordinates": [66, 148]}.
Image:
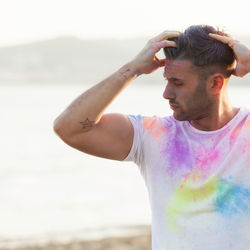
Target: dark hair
{"type": "Point", "coordinates": [206, 54]}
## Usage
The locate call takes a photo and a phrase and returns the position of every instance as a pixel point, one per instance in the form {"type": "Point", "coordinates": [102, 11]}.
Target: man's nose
{"type": "Point", "coordinates": [168, 93]}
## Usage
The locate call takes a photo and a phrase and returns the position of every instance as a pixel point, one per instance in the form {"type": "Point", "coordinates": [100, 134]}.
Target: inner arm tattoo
{"type": "Point", "coordinates": [87, 123]}
{"type": "Point", "coordinates": [123, 73]}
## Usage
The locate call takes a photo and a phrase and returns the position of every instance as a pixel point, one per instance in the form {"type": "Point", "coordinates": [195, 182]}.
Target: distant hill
{"type": "Point", "coordinates": [66, 59]}
{"type": "Point", "coordinates": [69, 59]}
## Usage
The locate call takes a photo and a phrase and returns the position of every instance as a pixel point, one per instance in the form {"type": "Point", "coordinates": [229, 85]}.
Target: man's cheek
{"type": "Point", "coordinates": [189, 101]}
{"type": "Point", "coordinates": [185, 98]}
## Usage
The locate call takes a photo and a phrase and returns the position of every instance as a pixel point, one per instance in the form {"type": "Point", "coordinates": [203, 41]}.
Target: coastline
{"type": "Point", "coordinates": [130, 238]}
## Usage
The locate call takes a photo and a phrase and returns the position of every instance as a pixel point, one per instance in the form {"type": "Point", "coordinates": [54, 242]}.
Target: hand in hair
{"type": "Point", "coordinates": [241, 52]}
{"type": "Point", "coordinates": [146, 61]}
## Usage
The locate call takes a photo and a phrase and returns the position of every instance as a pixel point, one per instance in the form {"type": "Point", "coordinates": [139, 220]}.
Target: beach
{"type": "Point", "coordinates": [139, 241]}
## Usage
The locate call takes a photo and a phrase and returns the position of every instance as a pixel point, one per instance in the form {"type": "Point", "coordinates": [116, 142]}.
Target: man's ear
{"type": "Point", "coordinates": [215, 83]}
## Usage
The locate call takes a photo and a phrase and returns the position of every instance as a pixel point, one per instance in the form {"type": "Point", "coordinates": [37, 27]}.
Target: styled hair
{"type": "Point", "coordinates": [207, 54]}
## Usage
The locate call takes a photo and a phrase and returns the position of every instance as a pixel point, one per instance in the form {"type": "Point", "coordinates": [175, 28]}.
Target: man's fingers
{"type": "Point", "coordinates": [164, 44]}
{"type": "Point", "coordinates": [167, 43]}
{"type": "Point", "coordinates": [162, 62]}
{"type": "Point", "coordinates": [223, 39]}
{"type": "Point", "coordinates": [169, 35]}
{"type": "Point", "coordinates": [170, 44]}
{"type": "Point", "coordinates": [165, 35]}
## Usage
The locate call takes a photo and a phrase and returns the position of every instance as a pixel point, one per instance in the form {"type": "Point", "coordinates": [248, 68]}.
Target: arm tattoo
{"type": "Point", "coordinates": [124, 73]}
{"type": "Point", "coordinates": [87, 123]}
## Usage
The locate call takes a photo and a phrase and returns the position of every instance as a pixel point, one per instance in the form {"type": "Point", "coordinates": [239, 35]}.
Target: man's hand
{"type": "Point", "coordinates": [146, 61]}
{"type": "Point", "coordinates": [241, 52]}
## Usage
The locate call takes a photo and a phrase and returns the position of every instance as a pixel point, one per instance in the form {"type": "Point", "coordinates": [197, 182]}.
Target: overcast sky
{"type": "Point", "coordinates": [30, 20]}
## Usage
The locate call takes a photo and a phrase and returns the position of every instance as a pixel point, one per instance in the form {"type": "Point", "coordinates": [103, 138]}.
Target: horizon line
{"type": "Point", "coordinates": [78, 37]}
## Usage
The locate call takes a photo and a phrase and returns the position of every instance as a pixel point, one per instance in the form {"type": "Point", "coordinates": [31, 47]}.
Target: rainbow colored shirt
{"type": "Point", "coordinates": [198, 181]}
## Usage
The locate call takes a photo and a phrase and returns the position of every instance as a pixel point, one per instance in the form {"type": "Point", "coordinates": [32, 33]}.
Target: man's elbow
{"type": "Point", "coordinates": [60, 130]}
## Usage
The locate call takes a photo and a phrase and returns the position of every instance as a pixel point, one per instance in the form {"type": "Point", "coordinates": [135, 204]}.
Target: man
{"type": "Point", "coordinates": [196, 163]}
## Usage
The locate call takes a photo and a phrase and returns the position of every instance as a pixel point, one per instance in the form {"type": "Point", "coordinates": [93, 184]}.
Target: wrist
{"type": "Point", "coordinates": [129, 71]}
{"type": "Point", "coordinates": [134, 68]}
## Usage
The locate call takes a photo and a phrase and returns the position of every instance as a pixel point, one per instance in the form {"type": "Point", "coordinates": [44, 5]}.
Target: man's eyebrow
{"type": "Point", "coordinates": [173, 79]}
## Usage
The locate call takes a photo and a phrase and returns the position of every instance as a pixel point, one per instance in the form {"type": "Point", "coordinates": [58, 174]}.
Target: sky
{"type": "Point", "coordinates": [23, 21]}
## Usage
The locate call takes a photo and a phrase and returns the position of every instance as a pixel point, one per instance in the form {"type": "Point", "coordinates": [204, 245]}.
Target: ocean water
{"type": "Point", "coordinates": [49, 190]}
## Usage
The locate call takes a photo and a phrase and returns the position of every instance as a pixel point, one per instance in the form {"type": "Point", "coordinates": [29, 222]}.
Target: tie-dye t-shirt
{"type": "Point", "coordinates": [198, 181]}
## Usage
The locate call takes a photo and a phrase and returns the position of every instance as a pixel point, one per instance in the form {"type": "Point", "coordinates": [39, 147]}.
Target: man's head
{"type": "Point", "coordinates": [197, 70]}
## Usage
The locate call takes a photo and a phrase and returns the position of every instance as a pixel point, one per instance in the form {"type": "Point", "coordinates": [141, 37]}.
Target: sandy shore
{"type": "Point", "coordinates": [135, 242]}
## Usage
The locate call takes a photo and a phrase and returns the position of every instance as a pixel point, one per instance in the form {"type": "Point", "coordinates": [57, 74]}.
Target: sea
{"type": "Point", "coordinates": [50, 191]}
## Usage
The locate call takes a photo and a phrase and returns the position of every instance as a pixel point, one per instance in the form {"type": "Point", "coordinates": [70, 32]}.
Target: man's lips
{"type": "Point", "coordinates": [173, 106]}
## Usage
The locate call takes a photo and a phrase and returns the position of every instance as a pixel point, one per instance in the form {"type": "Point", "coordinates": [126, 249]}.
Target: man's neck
{"type": "Point", "coordinates": [217, 119]}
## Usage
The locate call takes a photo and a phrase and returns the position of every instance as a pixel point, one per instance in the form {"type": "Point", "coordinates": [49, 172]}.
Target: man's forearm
{"type": "Point", "coordinates": [86, 110]}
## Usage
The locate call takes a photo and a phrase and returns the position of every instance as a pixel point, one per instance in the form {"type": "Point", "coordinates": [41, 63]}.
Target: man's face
{"type": "Point", "coordinates": [185, 92]}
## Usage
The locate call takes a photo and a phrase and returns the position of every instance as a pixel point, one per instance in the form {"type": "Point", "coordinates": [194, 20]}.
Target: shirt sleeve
{"type": "Point", "coordinates": [136, 151]}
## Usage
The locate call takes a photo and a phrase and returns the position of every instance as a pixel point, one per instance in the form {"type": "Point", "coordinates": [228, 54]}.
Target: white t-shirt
{"type": "Point", "coordinates": [198, 182]}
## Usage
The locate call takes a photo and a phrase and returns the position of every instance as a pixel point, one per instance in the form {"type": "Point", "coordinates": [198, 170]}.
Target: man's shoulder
{"type": "Point", "coordinates": [153, 120]}
{"type": "Point", "coordinates": [246, 116]}
{"type": "Point", "coordinates": [154, 125]}
{"type": "Point", "coordinates": [245, 113]}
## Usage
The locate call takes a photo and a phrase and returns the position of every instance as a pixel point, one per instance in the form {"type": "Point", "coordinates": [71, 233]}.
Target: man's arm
{"type": "Point", "coordinates": [83, 126]}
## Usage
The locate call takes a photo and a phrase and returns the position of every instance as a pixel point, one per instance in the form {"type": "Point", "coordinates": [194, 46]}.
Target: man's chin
{"type": "Point", "coordinates": [180, 116]}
